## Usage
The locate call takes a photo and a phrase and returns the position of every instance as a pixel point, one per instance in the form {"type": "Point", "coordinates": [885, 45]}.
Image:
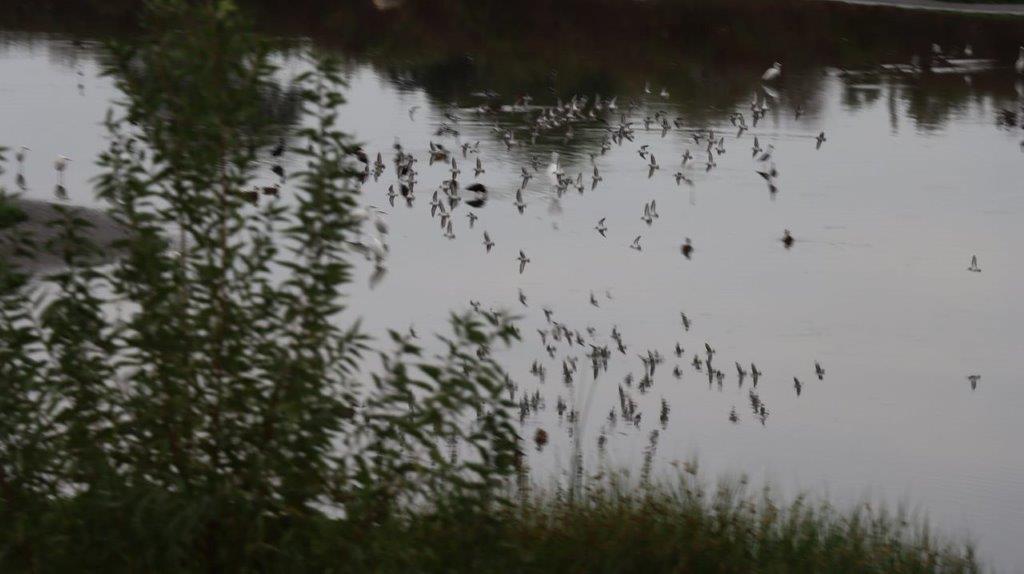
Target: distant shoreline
{"type": "Point", "coordinates": [1000, 9]}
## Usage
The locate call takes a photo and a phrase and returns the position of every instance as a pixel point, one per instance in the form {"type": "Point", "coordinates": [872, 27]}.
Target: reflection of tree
{"type": "Point", "coordinates": [708, 54]}
{"type": "Point", "coordinates": [929, 100]}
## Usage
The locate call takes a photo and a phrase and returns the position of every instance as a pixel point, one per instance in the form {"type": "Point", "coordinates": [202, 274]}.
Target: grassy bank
{"type": "Point", "coordinates": [682, 528]}
{"type": "Point", "coordinates": [678, 528]}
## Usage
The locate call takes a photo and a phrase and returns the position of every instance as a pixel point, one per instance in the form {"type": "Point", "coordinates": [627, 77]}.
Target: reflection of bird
{"type": "Point", "coordinates": [772, 73]}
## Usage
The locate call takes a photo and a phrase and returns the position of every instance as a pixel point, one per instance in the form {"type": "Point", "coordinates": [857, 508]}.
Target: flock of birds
{"type": "Point", "coordinates": [559, 341]}
{"type": "Point", "coordinates": [565, 345]}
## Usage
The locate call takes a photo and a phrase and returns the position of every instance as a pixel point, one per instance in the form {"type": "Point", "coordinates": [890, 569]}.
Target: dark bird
{"type": "Point", "coordinates": [818, 370]}
{"type": "Point", "coordinates": [787, 239]}
{"type": "Point", "coordinates": [479, 192]}
{"type": "Point", "coordinates": [687, 248]}
{"type": "Point", "coordinates": [523, 260]}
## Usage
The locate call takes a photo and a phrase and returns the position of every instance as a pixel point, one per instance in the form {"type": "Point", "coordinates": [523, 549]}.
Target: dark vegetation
{"type": "Point", "coordinates": [203, 403]}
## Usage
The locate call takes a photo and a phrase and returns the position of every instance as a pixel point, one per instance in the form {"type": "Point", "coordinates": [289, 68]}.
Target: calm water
{"type": "Point", "coordinates": [915, 177]}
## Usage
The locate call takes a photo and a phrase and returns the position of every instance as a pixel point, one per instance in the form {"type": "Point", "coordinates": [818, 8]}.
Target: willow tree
{"type": "Point", "coordinates": [203, 401]}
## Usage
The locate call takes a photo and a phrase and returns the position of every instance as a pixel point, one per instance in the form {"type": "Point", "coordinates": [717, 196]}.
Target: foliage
{"type": "Point", "coordinates": [677, 527]}
{"type": "Point", "coordinates": [197, 404]}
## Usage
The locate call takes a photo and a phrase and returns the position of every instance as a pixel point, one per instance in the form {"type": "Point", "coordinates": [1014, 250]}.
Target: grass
{"type": "Point", "coordinates": [682, 527]}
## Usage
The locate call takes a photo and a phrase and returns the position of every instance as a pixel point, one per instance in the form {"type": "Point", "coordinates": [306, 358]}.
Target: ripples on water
{"type": "Point", "coordinates": [916, 176]}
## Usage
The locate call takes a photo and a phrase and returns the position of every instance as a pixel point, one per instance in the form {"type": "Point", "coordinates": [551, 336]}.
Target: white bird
{"type": "Point", "coordinates": [772, 73]}
{"type": "Point", "coordinates": [61, 164]}
{"type": "Point", "coordinates": [554, 168]}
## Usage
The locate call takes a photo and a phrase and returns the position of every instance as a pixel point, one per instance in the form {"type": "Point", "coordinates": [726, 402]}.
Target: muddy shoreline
{"type": "Point", "coordinates": [103, 230]}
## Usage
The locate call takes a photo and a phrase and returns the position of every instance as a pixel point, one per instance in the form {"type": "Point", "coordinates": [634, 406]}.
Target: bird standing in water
{"type": "Point", "coordinates": [61, 164]}
{"type": "Point", "coordinates": [772, 73]}
{"type": "Point", "coordinates": [687, 248]}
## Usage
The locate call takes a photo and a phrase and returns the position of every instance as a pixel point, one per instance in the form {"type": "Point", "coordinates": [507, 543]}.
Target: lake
{"type": "Point", "coordinates": [917, 174]}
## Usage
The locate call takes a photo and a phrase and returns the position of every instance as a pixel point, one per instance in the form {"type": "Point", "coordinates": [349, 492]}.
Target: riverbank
{"type": "Point", "coordinates": [992, 8]}
{"type": "Point", "coordinates": [38, 215]}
